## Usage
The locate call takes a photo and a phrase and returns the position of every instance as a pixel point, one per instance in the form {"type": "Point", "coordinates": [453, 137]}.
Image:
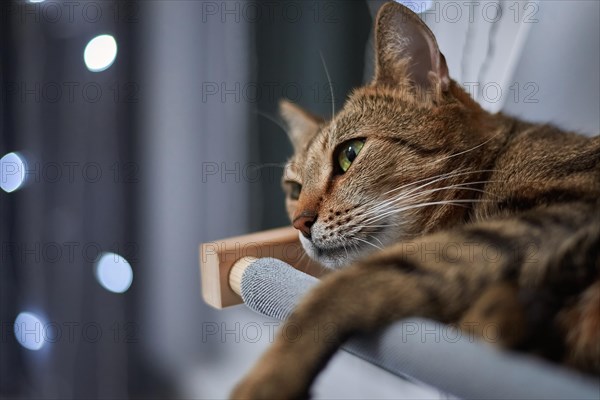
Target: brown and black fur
{"type": "Point", "coordinates": [529, 192]}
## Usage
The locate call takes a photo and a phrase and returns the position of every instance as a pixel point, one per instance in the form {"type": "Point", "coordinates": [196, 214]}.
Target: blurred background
{"type": "Point", "coordinates": [133, 131]}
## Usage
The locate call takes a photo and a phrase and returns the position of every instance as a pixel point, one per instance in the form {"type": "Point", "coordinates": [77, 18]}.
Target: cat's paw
{"type": "Point", "coordinates": [270, 384]}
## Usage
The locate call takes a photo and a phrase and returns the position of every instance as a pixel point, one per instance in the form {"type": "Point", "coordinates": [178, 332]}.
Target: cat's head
{"type": "Point", "coordinates": [380, 169]}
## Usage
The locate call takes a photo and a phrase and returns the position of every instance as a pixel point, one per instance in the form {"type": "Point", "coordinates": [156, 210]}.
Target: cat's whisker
{"type": "Point", "coordinates": [359, 226]}
{"type": "Point", "coordinates": [368, 230]}
{"type": "Point", "coordinates": [435, 180]}
{"type": "Point", "coordinates": [456, 202]}
{"type": "Point", "coordinates": [447, 174]}
{"type": "Point", "coordinates": [346, 250]}
{"type": "Point", "coordinates": [330, 90]}
{"type": "Point", "coordinates": [409, 195]}
{"type": "Point", "coordinates": [455, 185]}
{"type": "Point", "coordinates": [367, 242]}
{"type": "Point", "coordinates": [376, 238]}
{"type": "Point", "coordinates": [272, 119]}
{"type": "Point", "coordinates": [469, 150]}
{"type": "Point", "coordinates": [460, 186]}
{"type": "Point", "coordinates": [438, 178]}
{"type": "Point", "coordinates": [438, 202]}
{"type": "Point", "coordinates": [356, 248]}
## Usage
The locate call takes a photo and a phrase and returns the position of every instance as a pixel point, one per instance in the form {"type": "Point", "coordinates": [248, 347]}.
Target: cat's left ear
{"type": "Point", "coordinates": [407, 52]}
{"type": "Point", "coordinates": [302, 125]}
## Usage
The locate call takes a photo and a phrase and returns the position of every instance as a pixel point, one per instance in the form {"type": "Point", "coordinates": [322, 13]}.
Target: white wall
{"type": "Point", "coordinates": [562, 56]}
{"type": "Point", "coordinates": [544, 56]}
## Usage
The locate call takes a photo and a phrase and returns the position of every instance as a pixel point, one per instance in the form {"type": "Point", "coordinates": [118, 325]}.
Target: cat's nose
{"type": "Point", "coordinates": [304, 222]}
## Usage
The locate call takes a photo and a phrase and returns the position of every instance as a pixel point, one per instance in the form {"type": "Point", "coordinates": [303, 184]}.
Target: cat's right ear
{"type": "Point", "coordinates": [302, 125]}
{"type": "Point", "coordinates": [407, 52]}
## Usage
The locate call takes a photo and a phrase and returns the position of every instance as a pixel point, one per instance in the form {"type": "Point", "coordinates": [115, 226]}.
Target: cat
{"type": "Point", "coordinates": [413, 167]}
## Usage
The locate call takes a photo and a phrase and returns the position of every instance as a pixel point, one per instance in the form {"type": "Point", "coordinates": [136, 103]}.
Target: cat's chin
{"type": "Point", "coordinates": [332, 258]}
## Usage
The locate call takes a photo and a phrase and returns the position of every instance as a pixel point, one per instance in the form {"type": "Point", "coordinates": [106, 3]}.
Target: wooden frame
{"type": "Point", "coordinates": [218, 258]}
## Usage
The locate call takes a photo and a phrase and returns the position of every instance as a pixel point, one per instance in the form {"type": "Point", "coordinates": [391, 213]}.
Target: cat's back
{"type": "Point", "coordinates": [541, 164]}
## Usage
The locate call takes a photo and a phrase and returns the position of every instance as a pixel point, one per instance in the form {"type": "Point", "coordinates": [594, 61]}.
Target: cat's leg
{"type": "Point", "coordinates": [580, 321]}
{"type": "Point", "coordinates": [497, 316]}
{"type": "Point", "coordinates": [360, 298]}
{"type": "Point", "coordinates": [438, 276]}
{"type": "Point", "coordinates": [581, 324]}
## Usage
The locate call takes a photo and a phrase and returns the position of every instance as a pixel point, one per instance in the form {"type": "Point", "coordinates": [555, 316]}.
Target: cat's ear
{"type": "Point", "coordinates": [406, 50]}
{"type": "Point", "coordinates": [302, 125]}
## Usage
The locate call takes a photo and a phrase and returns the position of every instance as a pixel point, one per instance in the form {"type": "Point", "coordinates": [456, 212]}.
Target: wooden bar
{"type": "Point", "coordinates": [217, 259]}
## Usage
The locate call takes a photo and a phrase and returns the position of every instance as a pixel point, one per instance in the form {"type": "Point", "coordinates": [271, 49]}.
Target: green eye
{"type": "Point", "coordinates": [294, 190]}
{"type": "Point", "coordinates": [348, 153]}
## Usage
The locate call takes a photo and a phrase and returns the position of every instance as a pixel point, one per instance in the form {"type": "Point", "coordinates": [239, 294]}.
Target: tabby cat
{"type": "Point", "coordinates": [413, 165]}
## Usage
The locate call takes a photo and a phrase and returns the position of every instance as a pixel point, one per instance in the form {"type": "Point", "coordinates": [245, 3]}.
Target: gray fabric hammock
{"type": "Point", "coordinates": [425, 350]}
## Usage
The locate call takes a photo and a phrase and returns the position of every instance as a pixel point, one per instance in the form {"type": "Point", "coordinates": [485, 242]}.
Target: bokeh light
{"type": "Point", "coordinates": [100, 53]}
{"type": "Point", "coordinates": [13, 169]}
{"type": "Point", "coordinates": [114, 273]}
{"type": "Point", "coordinates": [29, 331]}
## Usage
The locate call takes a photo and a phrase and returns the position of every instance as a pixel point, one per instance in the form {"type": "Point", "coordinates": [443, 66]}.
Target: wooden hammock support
{"type": "Point", "coordinates": [222, 262]}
